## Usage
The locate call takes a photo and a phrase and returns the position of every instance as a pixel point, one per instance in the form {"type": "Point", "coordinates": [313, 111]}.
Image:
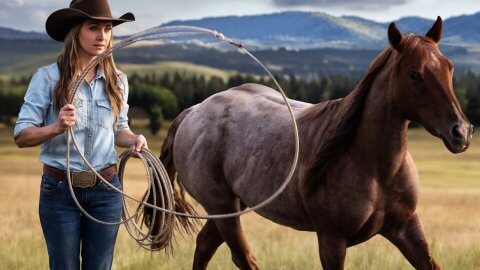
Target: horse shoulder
{"type": "Point", "coordinates": [403, 193]}
{"type": "Point", "coordinates": [406, 180]}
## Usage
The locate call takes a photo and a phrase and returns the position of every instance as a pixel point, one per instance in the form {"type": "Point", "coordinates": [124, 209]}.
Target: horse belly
{"type": "Point", "coordinates": [267, 151]}
{"type": "Point", "coordinates": [287, 211]}
{"type": "Point", "coordinates": [236, 146]}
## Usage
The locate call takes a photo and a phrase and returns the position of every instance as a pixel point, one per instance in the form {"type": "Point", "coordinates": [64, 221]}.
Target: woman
{"type": "Point", "coordinates": [99, 119]}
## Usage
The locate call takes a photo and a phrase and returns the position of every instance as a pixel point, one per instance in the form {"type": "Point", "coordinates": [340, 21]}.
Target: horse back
{"type": "Point", "coordinates": [241, 142]}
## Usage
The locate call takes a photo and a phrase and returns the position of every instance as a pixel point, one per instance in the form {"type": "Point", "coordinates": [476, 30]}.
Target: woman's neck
{"type": "Point", "coordinates": [83, 62]}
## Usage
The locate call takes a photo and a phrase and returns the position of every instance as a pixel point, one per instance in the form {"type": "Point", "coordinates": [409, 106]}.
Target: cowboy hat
{"type": "Point", "coordinates": [61, 21]}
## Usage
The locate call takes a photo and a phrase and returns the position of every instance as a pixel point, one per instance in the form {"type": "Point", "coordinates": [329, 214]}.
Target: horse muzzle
{"type": "Point", "coordinates": [458, 138]}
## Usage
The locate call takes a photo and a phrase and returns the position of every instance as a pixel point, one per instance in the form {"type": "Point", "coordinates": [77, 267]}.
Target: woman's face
{"type": "Point", "coordinates": [94, 37]}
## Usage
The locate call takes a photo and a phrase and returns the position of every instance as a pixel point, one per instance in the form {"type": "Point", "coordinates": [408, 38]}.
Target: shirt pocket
{"type": "Point", "coordinates": [104, 114]}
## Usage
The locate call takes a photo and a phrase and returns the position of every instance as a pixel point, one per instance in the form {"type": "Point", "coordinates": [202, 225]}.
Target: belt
{"type": "Point", "coordinates": [81, 179]}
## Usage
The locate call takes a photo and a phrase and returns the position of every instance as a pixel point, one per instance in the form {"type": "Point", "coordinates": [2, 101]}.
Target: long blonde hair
{"type": "Point", "coordinates": [67, 63]}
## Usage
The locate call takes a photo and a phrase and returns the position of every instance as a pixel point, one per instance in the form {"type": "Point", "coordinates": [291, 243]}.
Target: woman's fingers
{"type": "Point", "coordinates": [67, 121]}
{"type": "Point", "coordinates": [134, 151]}
{"type": "Point", "coordinates": [68, 107]}
{"type": "Point", "coordinates": [67, 116]}
{"type": "Point", "coordinates": [140, 142]}
{"type": "Point", "coordinates": [68, 113]}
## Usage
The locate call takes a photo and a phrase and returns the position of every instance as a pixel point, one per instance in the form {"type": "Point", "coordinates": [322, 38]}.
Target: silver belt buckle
{"type": "Point", "coordinates": [84, 179]}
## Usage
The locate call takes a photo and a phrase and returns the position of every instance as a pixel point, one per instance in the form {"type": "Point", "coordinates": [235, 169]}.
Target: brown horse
{"type": "Point", "coordinates": [355, 177]}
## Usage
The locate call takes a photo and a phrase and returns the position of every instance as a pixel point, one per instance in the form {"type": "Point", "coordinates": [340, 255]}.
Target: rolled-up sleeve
{"type": "Point", "coordinates": [122, 122]}
{"type": "Point", "coordinates": [36, 103]}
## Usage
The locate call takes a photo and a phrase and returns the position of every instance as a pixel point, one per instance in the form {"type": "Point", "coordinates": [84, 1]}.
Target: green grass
{"type": "Point", "coordinates": [448, 207]}
{"type": "Point", "coordinates": [27, 66]}
{"type": "Point", "coordinates": [186, 68]}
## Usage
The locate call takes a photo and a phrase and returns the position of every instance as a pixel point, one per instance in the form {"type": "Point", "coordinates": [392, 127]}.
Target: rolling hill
{"type": "Point", "coordinates": [302, 43]}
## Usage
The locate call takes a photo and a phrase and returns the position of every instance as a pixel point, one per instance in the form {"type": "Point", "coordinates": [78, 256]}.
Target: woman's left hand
{"type": "Point", "coordinates": [140, 142]}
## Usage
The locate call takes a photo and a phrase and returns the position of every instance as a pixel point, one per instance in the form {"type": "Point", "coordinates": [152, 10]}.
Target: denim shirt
{"type": "Point", "coordinates": [94, 120]}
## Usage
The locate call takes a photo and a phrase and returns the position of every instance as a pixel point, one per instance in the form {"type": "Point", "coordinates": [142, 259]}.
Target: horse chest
{"type": "Point", "coordinates": [375, 213]}
{"type": "Point", "coordinates": [352, 206]}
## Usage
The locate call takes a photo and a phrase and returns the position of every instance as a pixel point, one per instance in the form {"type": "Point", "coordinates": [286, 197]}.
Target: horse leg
{"type": "Point", "coordinates": [208, 240]}
{"type": "Point", "coordinates": [410, 240]}
{"type": "Point", "coordinates": [217, 231]}
{"type": "Point", "coordinates": [231, 231]}
{"type": "Point", "coordinates": [332, 252]}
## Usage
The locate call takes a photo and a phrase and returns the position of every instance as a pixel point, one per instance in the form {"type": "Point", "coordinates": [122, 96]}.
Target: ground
{"type": "Point", "coordinates": [448, 206]}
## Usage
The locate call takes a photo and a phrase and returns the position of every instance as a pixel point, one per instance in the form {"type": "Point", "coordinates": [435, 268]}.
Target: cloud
{"type": "Point", "coordinates": [27, 15]}
{"type": "Point", "coordinates": [347, 4]}
{"type": "Point", "coordinates": [15, 3]}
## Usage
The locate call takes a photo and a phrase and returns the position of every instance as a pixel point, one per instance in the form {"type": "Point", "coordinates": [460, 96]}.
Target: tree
{"type": "Point", "coordinates": [11, 98]}
{"type": "Point", "coordinates": [156, 119]}
{"type": "Point", "coordinates": [146, 96]}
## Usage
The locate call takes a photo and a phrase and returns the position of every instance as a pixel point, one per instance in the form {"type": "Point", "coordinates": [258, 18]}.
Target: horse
{"type": "Point", "coordinates": [354, 179]}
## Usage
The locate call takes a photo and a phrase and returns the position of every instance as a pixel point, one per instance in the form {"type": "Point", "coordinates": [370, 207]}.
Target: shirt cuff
{"type": "Point", "coordinates": [120, 127]}
{"type": "Point", "coordinates": [19, 127]}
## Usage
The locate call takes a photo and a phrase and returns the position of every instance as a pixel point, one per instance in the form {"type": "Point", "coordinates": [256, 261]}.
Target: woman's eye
{"type": "Point", "coordinates": [93, 28]}
{"type": "Point", "coordinates": [414, 76]}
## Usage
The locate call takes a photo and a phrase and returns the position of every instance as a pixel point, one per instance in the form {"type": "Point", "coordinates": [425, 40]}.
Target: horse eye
{"type": "Point", "coordinates": [414, 76]}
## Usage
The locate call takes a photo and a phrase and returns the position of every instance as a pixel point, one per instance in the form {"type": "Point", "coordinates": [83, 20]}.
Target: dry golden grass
{"type": "Point", "coordinates": [449, 207]}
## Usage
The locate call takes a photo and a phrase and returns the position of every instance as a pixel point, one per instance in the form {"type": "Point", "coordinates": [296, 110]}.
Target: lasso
{"type": "Point", "coordinates": [155, 170]}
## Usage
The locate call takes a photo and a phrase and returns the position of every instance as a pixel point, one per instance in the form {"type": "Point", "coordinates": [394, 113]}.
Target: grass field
{"type": "Point", "coordinates": [188, 69]}
{"type": "Point", "coordinates": [449, 207]}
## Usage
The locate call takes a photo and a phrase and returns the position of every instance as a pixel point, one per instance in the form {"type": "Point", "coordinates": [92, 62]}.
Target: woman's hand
{"type": "Point", "coordinates": [33, 135]}
{"type": "Point", "coordinates": [127, 139]}
{"type": "Point", "coordinates": [140, 142]}
{"type": "Point", "coordinates": [66, 118]}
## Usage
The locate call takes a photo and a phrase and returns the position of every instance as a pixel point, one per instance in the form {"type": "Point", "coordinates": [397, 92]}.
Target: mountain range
{"type": "Point", "coordinates": [302, 43]}
{"type": "Point", "coordinates": [301, 30]}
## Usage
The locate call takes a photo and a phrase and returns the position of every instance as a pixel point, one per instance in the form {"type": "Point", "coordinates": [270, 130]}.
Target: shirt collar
{"type": "Point", "coordinates": [100, 73]}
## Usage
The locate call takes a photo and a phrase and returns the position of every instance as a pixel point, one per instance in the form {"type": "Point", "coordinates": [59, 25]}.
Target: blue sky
{"type": "Point", "coordinates": [31, 14]}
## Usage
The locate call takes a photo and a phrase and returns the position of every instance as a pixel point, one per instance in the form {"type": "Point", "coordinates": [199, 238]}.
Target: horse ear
{"type": "Point", "coordinates": [395, 37]}
{"type": "Point", "coordinates": [435, 33]}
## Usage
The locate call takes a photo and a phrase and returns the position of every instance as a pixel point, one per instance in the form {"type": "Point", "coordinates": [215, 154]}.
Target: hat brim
{"type": "Point", "coordinates": [60, 22]}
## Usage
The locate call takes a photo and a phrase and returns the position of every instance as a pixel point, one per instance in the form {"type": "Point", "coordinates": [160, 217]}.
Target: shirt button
{"type": "Point", "coordinates": [89, 135]}
{"type": "Point", "coordinates": [88, 152]}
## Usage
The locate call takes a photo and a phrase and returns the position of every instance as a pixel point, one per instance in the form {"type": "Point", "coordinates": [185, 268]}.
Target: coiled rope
{"type": "Point", "coordinates": [156, 173]}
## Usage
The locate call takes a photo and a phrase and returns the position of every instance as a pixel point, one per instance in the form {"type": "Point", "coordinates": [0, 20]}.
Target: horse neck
{"type": "Point", "coordinates": [380, 145]}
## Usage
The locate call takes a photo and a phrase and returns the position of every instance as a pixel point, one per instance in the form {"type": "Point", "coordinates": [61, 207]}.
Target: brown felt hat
{"type": "Point", "coordinates": [61, 21]}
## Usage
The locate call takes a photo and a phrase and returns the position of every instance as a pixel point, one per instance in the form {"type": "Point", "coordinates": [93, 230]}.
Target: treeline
{"type": "Point", "coordinates": [164, 96]}
{"type": "Point", "coordinates": [190, 90]}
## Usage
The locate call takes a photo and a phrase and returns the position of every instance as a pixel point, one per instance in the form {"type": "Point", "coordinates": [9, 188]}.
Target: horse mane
{"type": "Point", "coordinates": [339, 122]}
{"type": "Point", "coordinates": [340, 118]}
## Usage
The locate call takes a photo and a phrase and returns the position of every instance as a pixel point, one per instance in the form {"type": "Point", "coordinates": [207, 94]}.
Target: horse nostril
{"type": "Point", "coordinates": [455, 132]}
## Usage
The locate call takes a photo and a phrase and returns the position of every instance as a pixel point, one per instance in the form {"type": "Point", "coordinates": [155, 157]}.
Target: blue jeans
{"type": "Point", "coordinates": [69, 234]}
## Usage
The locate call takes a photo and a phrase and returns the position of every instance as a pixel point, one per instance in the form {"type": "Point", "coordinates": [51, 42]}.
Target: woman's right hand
{"type": "Point", "coordinates": [34, 135]}
{"type": "Point", "coordinates": [66, 118]}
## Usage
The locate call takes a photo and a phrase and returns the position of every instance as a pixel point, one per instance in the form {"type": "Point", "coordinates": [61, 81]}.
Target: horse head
{"type": "Point", "coordinates": [422, 86]}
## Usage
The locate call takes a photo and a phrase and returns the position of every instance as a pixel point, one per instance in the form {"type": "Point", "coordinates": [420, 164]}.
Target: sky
{"type": "Point", "coordinates": [30, 15]}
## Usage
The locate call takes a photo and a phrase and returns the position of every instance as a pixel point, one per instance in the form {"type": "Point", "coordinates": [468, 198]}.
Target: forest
{"type": "Point", "coordinates": [165, 95]}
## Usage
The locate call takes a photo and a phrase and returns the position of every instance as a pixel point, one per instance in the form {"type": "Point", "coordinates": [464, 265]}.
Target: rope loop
{"type": "Point", "coordinates": [158, 179]}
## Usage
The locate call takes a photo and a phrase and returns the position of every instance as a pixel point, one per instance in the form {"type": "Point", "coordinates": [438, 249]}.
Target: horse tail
{"type": "Point", "coordinates": [181, 205]}
{"type": "Point", "coordinates": [166, 156]}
